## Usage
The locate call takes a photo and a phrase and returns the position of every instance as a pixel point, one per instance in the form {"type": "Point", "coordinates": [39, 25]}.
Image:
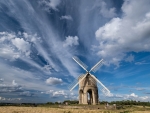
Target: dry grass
{"type": "Point", "coordinates": [48, 110]}
{"type": "Point", "coordinates": [13, 109]}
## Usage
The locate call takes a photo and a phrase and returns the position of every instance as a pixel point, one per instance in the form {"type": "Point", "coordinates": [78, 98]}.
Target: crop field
{"type": "Point", "coordinates": [17, 109]}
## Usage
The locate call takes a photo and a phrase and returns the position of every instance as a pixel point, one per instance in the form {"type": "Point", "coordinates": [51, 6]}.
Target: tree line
{"type": "Point", "coordinates": [64, 102]}
{"type": "Point", "coordinates": [69, 102]}
{"type": "Point", "coordinates": [123, 102]}
{"type": "Point", "coordinates": [127, 102]}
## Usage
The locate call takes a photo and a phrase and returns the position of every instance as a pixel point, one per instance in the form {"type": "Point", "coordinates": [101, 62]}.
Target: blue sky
{"type": "Point", "coordinates": [38, 39]}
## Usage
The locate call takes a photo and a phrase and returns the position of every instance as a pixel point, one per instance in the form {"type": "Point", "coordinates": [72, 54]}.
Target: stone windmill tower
{"type": "Point", "coordinates": [88, 87]}
{"type": "Point", "coordinates": [88, 91]}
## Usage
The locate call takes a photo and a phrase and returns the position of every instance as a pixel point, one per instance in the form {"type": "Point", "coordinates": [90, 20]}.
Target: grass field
{"type": "Point", "coordinates": [50, 109]}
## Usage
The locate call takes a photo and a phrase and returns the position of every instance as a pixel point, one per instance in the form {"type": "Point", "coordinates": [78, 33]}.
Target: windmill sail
{"type": "Point", "coordinates": [75, 83]}
{"type": "Point", "coordinates": [72, 84]}
{"type": "Point", "coordinates": [101, 86]}
{"type": "Point", "coordinates": [78, 61]}
{"type": "Point", "coordinates": [96, 66]}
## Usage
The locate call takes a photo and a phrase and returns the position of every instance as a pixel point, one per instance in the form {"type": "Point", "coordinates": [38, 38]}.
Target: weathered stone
{"type": "Point", "coordinates": [88, 91]}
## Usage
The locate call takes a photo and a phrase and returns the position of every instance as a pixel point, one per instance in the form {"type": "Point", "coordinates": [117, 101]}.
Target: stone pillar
{"type": "Point", "coordinates": [80, 96]}
{"type": "Point", "coordinates": [93, 95]}
{"type": "Point", "coordinates": [85, 98]}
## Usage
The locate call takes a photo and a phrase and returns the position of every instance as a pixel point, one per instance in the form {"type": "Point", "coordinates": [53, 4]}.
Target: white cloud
{"type": "Point", "coordinates": [118, 96]}
{"type": "Point", "coordinates": [31, 38]}
{"type": "Point", "coordinates": [47, 67]}
{"type": "Point", "coordinates": [26, 93]}
{"type": "Point", "coordinates": [9, 88]}
{"type": "Point", "coordinates": [142, 63]}
{"type": "Point", "coordinates": [66, 96]}
{"type": "Point", "coordinates": [49, 92]}
{"type": "Point", "coordinates": [56, 93]}
{"type": "Point", "coordinates": [4, 99]}
{"type": "Point", "coordinates": [8, 53]}
{"type": "Point", "coordinates": [59, 93]}
{"type": "Point", "coordinates": [21, 44]}
{"type": "Point", "coordinates": [70, 41]}
{"type": "Point", "coordinates": [13, 47]}
{"type": "Point", "coordinates": [133, 95]}
{"type": "Point", "coordinates": [1, 80]}
{"type": "Point", "coordinates": [140, 89]}
{"type": "Point", "coordinates": [130, 58]}
{"type": "Point", "coordinates": [108, 13]}
{"type": "Point", "coordinates": [67, 17]}
{"type": "Point", "coordinates": [54, 81]}
{"type": "Point", "coordinates": [72, 93]}
{"type": "Point", "coordinates": [6, 36]}
{"type": "Point", "coordinates": [111, 95]}
{"type": "Point", "coordinates": [14, 83]}
{"type": "Point", "coordinates": [50, 4]}
{"type": "Point", "coordinates": [126, 34]}
{"type": "Point", "coordinates": [144, 98]}
{"type": "Point", "coordinates": [7, 50]}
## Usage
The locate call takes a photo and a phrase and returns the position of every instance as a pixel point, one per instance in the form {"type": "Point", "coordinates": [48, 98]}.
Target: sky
{"type": "Point", "coordinates": [38, 39]}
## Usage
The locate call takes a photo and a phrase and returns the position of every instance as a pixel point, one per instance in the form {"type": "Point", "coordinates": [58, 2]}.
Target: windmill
{"type": "Point", "coordinates": [88, 84]}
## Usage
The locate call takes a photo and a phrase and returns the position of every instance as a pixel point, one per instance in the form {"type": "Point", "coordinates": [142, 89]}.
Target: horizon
{"type": "Point", "coordinates": [38, 39]}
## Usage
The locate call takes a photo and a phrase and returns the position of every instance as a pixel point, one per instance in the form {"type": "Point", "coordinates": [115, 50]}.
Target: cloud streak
{"type": "Point", "coordinates": [67, 17]}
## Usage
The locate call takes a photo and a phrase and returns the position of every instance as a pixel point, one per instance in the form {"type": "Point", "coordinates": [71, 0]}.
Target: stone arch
{"type": "Point", "coordinates": [90, 96]}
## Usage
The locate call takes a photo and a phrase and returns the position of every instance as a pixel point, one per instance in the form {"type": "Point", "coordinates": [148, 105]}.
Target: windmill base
{"type": "Point", "coordinates": [88, 96]}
